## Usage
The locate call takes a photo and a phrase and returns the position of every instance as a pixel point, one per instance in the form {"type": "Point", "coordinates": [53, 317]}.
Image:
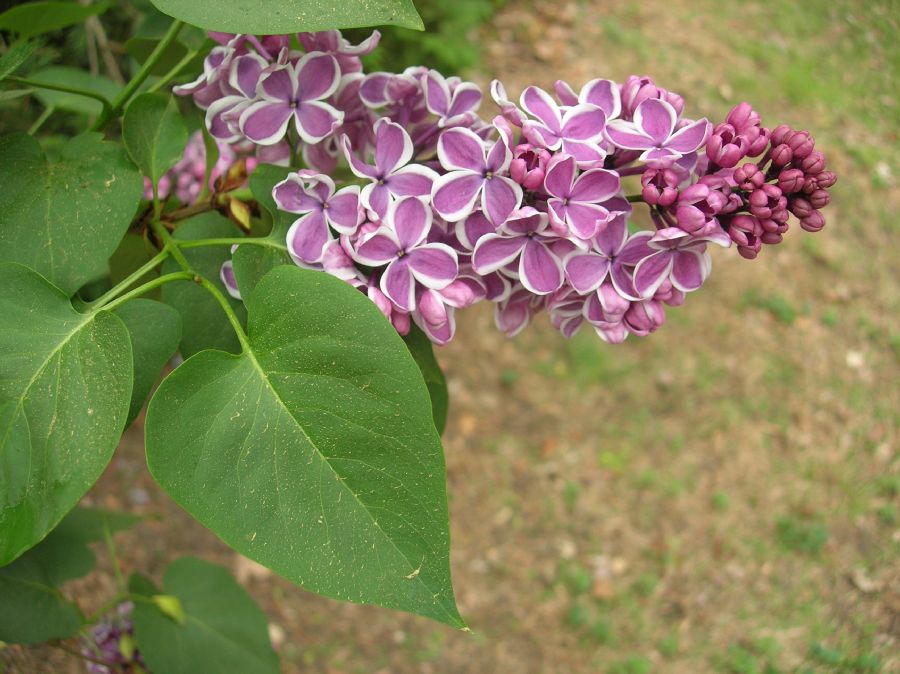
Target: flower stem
{"type": "Point", "coordinates": [235, 241]}
{"type": "Point", "coordinates": [125, 95]}
{"type": "Point", "coordinates": [149, 285]}
{"type": "Point", "coordinates": [114, 558]}
{"type": "Point", "coordinates": [174, 71]}
{"type": "Point", "coordinates": [635, 198]}
{"type": "Point", "coordinates": [126, 283]}
{"type": "Point", "coordinates": [107, 106]}
{"type": "Point", "coordinates": [39, 122]}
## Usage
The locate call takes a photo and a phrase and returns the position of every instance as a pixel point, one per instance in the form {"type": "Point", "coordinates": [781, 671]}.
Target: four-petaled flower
{"type": "Point", "coordinates": [294, 91]}
{"type": "Point", "coordinates": [314, 197]}
{"type": "Point", "coordinates": [652, 132]}
{"type": "Point", "coordinates": [476, 169]}
{"type": "Point", "coordinates": [678, 257]}
{"type": "Point", "coordinates": [575, 204]}
{"type": "Point", "coordinates": [391, 175]}
{"type": "Point", "coordinates": [453, 101]}
{"type": "Point", "coordinates": [400, 243]}
{"type": "Point", "coordinates": [524, 238]}
{"type": "Point", "coordinates": [577, 131]}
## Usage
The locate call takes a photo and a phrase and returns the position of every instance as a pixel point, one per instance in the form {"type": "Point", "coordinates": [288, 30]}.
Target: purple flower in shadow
{"type": "Point", "coordinates": [400, 244]}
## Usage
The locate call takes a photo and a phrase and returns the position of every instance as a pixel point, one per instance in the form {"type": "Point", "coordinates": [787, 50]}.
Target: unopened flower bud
{"type": "Point", "coordinates": [813, 163]}
{"type": "Point", "coordinates": [759, 144]}
{"type": "Point", "coordinates": [790, 180]}
{"type": "Point", "coordinates": [742, 116]}
{"type": "Point", "coordinates": [819, 198]}
{"type": "Point", "coordinates": [813, 222]}
{"type": "Point", "coordinates": [781, 155]}
{"type": "Point", "coordinates": [779, 133]}
{"type": "Point", "coordinates": [801, 143]}
{"type": "Point", "coordinates": [800, 207]}
{"type": "Point", "coordinates": [826, 179]}
{"type": "Point", "coordinates": [645, 317]}
{"type": "Point", "coordinates": [771, 238]}
{"type": "Point", "coordinates": [749, 177]}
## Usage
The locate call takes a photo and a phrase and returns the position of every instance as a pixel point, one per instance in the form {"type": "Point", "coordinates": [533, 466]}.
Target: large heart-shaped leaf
{"type": "Point", "coordinates": [34, 18]}
{"type": "Point", "coordinates": [252, 262]}
{"type": "Point", "coordinates": [64, 219]}
{"type": "Point", "coordinates": [313, 452]}
{"type": "Point", "coordinates": [154, 133]}
{"type": "Point", "coordinates": [204, 326]}
{"type": "Point", "coordinates": [276, 17]}
{"type": "Point", "coordinates": [79, 79]}
{"type": "Point", "coordinates": [65, 386]}
{"type": "Point", "coordinates": [221, 629]}
{"type": "Point", "coordinates": [423, 352]}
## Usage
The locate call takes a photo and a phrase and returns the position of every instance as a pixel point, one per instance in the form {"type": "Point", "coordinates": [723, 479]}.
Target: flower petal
{"type": "Point", "coordinates": [565, 93]}
{"type": "Point", "coordinates": [466, 97]}
{"type": "Point", "coordinates": [625, 135]}
{"type": "Point", "coordinates": [357, 166]}
{"type": "Point", "coordinates": [265, 123]}
{"type": "Point", "coordinates": [494, 251]}
{"type": "Point", "coordinates": [470, 230]}
{"type": "Point", "coordinates": [314, 120]}
{"type": "Point", "coordinates": [397, 283]}
{"type": "Point", "coordinates": [318, 76]}
{"type": "Point", "coordinates": [377, 198]}
{"type": "Point", "coordinates": [539, 270]}
{"type": "Point", "coordinates": [585, 219]}
{"type": "Point", "coordinates": [411, 219]}
{"type": "Point", "coordinates": [437, 93]}
{"type": "Point", "coordinates": [501, 196]}
{"type": "Point", "coordinates": [611, 238]}
{"type": "Point", "coordinates": [393, 148]}
{"type": "Point", "coordinates": [343, 210]}
{"type": "Point", "coordinates": [291, 196]}
{"type": "Point", "coordinates": [460, 148]}
{"type": "Point", "coordinates": [245, 73]}
{"type": "Point", "coordinates": [453, 195]}
{"type": "Point", "coordinates": [690, 138]}
{"type": "Point", "coordinates": [583, 122]}
{"type": "Point", "coordinates": [278, 85]}
{"type": "Point", "coordinates": [538, 103]}
{"type": "Point", "coordinates": [586, 271]}
{"type": "Point", "coordinates": [377, 250]}
{"type": "Point", "coordinates": [595, 185]}
{"type": "Point", "coordinates": [559, 177]}
{"type": "Point", "coordinates": [414, 180]}
{"type": "Point", "coordinates": [307, 237]}
{"type": "Point", "coordinates": [604, 94]}
{"type": "Point", "coordinates": [650, 273]}
{"type": "Point", "coordinates": [689, 270]}
{"type": "Point", "coordinates": [434, 265]}
{"type": "Point", "coordinates": [656, 118]}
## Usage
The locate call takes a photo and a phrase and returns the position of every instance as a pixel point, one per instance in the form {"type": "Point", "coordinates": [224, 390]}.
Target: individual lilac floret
{"type": "Point", "coordinates": [475, 169]}
{"type": "Point", "coordinates": [346, 54]}
{"type": "Point", "coordinates": [678, 257]}
{"type": "Point", "coordinates": [525, 241]}
{"type": "Point", "coordinates": [112, 641]}
{"type": "Point", "coordinates": [653, 132]}
{"type": "Point", "coordinates": [575, 204]}
{"type": "Point", "coordinates": [392, 175]}
{"type": "Point", "coordinates": [602, 93]}
{"type": "Point", "coordinates": [315, 199]}
{"type": "Point", "coordinates": [577, 131]}
{"type": "Point", "coordinates": [453, 101]}
{"type": "Point", "coordinates": [294, 91]}
{"type": "Point", "coordinates": [400, 243]}
{"type": "Point", "coordinates": [638, 88]}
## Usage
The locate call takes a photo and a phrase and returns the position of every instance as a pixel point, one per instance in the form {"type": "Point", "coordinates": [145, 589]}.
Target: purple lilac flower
{"type": "Point", "coordinates": [575, 203]}
{"type": "Point", "coordinates": [112, 641]}
{"type": "Point", "coordinates": [392, 175]}
{"type": "Point", "coordinates": [524, 238]}
{"type": "Point", "coordinates": [453, 101]}
{"type": "Point", "coordinates": [294, 91]}
{"type": "Point", "coordinates": [400, 244]}
{"type": "Point", "coordinates": [653, 132]}
{"type": "Point", "coordinates": [577, 131]}
{"type": "Point", "coordinates": [346, 54]}
{"type": "Point", "coordinates": [320, 206]}
{"type": "Point", "coordinates": [475, 169]}
{"type": "Point", "coordinates": [678, 257]}
{"type": "Point", "coordinates": [599, 92]}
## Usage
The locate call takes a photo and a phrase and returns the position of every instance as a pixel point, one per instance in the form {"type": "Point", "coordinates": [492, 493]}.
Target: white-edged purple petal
{"type": "Point", "coordinates": [307, 237]}
{"type": "Point", "coordinates": [559, 177]}
{"type": "Point", "coordinates": [376, 250]}
{"type": "Point", "coordinates": [539, 104]}
{"type": "Point", "coordinates": [565, 93]}
{"type": "Point", "coordinates": [315, 120]}
{"type": "Point", "coordinates": [499, 198]}
{"type": "Point", "coordinates": [625, 135]}
{"type": "Point", "coordinates": [434, 265]}
{"type": "Point", "coordinates": [604, 94]}
{"type": "Point", "coordinates": [656, 118]}
{"type": "Point", "coordinates": [397, 283]}
{"type": "Point", "coordinates": [410, 219]}
{"type": "Point", "coordinates": [279, 85]}
{"type": "Point", "coordinates": [376, 197]}
{"type": "Point", "coordinates": [583, 122]}
{"type": "Point", "coordinates": [343, 210]}
{"type": "Point", "coordinates": [689, 138]}
{"type": "Point", "coordinates": [595, 185]}
{"type": "Point", "coordinates": [471, 229]}
{"type": "Point", "coordinates": [357, 166]}
{"type": "Point", "coordinates": [454, 195]}
{"type": "Point", "coordinates": [586, 271]}
{"type": "Point", "coordinates": [226, 275]}
{"type": "Point", "coordinates": [493, 252]}
{"type": "Point", "coordinates": [460, 148]}
{"type": "Point", "coordinates": [318, 76]}
{"type": "Point", "coordinates": [265, 122]}
{"type": "Point", "coordinates": [414, 180]}
{"type": "Point", "coordinates": [690, 269]}
{"type": "Point", "coordinates": [245, 72]}
{"type": "Point", "coordinates": [650, 273]}
{"type": "Point", "coordinates": [539, 270]}
{"type": "Point", "coordinates": [393, 147]}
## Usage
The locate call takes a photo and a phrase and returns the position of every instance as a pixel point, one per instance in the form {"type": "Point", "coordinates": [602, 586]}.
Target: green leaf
{"type": "Point", "coordinates": [65, 385]}
{"type": "Point", "coordinates": [155, 330]}
{"type": "Point", "coordinates": [423, 352]}
{"type": "Point", "coordinates": [221, 629]}
{"type": "Point", "coordinates": [139, 48]}
{"type": "Point", "coordinates": [64, 219]}
{"type": "Point", "coordinates": [276, 17]}
{"type": "Point", "coordinates": [154, 133]}
{"type": "Point", "coordinates": [31, 608]}
{"type": "Point", "coordinates": [15, 56]}
{"type": "Point", "coordinates": [79, 79]}
{"type": "Point", "coordinates": [34, 18]}
{"type": "Point", "coordinates": [204, 325]}
{"type": "Point", "coordinates": [253, 262]}
{"type": "Point", "coordinates": [262, 180]}
{"type": "Point", "coordinates": [314, 452]}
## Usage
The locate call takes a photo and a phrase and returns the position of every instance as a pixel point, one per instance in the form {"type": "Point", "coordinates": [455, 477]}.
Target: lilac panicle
{"type": "Point", "coordinates": [529, 210]}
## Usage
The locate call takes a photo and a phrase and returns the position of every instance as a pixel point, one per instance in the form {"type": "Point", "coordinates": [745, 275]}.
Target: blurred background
{"type": "Point", "coordinates": [723, 496]}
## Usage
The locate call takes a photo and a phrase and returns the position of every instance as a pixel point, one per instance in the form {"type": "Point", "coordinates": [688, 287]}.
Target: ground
{"type": "Point", "coordinates": [720, 497]}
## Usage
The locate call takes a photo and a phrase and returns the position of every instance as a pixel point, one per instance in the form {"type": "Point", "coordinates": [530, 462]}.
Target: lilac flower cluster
{"type": "Point", "coordinates": [440, 208]}
{"type": "Point", "coordinates": [112, 641]}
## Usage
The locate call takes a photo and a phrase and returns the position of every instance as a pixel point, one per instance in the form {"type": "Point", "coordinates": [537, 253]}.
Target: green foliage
{"type": "Point", "coordinates": [276, 17]}
{"type": "Point", "coordinates": [77, 78]}
{"type": "Point", "coordinates": [15, 56]}
{"type": "Point", "coordinates": [33, 18]}
{"type": "Point", "coordinates": [64, 219]}
{"type": "Point", "coordinates": [155, 330]}
{"type": "Point", "coordinates": [313, 452]}
{"type": "Point", "coordinates": [204, 623]}
{"type": "Point", "coordinates": [33, 609]}
{"type": "Point", "coordinates": [251, 263]}
{"type": "Point", "coordinates": [423, 352]}
{"type": "Point", "coordinates": [448, 44]}
{"type": "Point", "coordinates": [65, 386]}
{"type": "Point", "coordinates": [204, 326]}
{"type": "Point", "coordinates": [154, 133]}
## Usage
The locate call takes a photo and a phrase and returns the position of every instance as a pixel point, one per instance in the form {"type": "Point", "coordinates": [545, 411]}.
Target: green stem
{"type": "Point", "coordinates": [635, 198]}
{"type": "Point", "coordinates": [174, 72]}
{"type": "Point", "coordinates": [117, 569]}
{"type": "Point", "coordinates": [234, 241]}
{"type": "Point", "coordinates": [71, 651]}
{"type": "Point", "coordinates": [171, 245]}
{"type": "Point", "coordinates": [39, 122]}
{"type": "Point", "coordinates": [229, 312]}
{"type": "Point", "coordinates": [150, 285]}
{"type": "Point", "coordinates": [130, 280]}
{"type": "Point", "coordinates": [107, 106]}
{"type": "Point", "coordinates": [129, 90]}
